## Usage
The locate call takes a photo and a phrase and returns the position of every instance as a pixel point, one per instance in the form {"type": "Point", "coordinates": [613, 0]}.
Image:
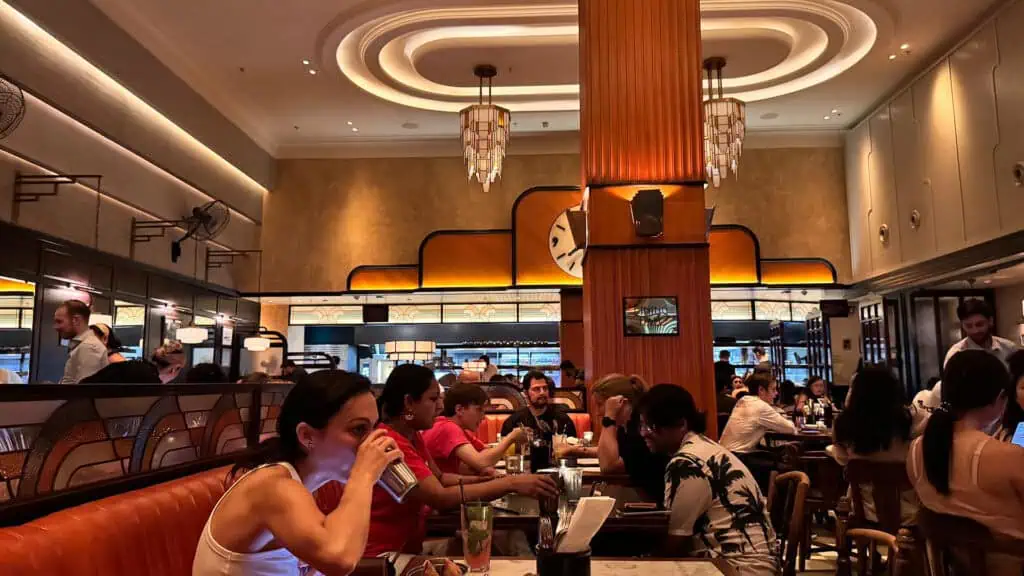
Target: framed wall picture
{"type": "Point", "coordinates": [651, 316]}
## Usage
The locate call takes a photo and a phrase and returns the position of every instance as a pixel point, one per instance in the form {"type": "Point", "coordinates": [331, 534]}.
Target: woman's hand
{"type": "Point", "coordinates": [534, 485]}
{"type": "Point", "coordinates": [374, 454]}
{"type": "Point", "coordinates": [613, 406]}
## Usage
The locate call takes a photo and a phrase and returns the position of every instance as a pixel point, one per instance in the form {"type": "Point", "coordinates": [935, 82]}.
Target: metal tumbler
{"type": "Point", "coordinates": [398, 479]}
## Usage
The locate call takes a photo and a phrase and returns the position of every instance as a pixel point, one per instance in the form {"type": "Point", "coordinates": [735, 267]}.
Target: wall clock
{"type": "Point", "coordinates": [566, 254]}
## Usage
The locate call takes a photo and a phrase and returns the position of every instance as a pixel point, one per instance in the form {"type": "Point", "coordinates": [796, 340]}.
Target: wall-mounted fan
{"type": "Point", "coordinates": [12, 107]}
{"type": "Point", "coordinates": [205, 223]}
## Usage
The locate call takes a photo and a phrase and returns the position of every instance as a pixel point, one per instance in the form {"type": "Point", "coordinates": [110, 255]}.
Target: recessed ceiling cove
{"type": "Point", "coordinates": [421, 56]}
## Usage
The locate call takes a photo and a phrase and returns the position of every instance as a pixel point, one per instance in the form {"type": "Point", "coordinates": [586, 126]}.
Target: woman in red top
{"type": "Point", "coordinates": [409, 403]}
{"type": "Point", "coordinates": [452, 442]}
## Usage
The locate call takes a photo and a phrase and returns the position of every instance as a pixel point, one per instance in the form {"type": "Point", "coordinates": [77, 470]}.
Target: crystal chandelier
{"type": "Point", "coordinates": [485, 130]}
{"type": "Point", "coordinates": [724, 125]}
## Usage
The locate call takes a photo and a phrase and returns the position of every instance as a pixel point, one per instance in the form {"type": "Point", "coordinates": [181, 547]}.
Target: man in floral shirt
{"type": "Point", "coordinates": [717, 509]}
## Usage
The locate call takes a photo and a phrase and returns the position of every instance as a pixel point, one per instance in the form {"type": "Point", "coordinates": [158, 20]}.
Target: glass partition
{"type": "Point", "coordinates": [17, 299]}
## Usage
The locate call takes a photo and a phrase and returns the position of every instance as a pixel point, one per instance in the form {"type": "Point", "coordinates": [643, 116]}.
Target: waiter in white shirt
{"type": "Point", "coordinates": [977, 321]}
{"type": "Point", "coordinates": [754, 416]}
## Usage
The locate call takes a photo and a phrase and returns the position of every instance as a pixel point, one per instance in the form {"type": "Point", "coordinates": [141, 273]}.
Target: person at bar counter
{"type": "Point", "coordinates": [452, 441]}
{"type": "Point", "coordinates": [268, 522]}
{"type": "Point", "coordinates": [621, 448]}
{"type": "Point", "coordinates": [86, 353]}
{"type": "Point", "coordinates": [958, 469]}
{"type": "Point", "coordinates": [162, 368]}
{"type": "Point", "coordinates": [716, 508]}
{"type": "Point", "coordinates": [409, 403]}
{"type": "Point", "coordinates": [540, 414]}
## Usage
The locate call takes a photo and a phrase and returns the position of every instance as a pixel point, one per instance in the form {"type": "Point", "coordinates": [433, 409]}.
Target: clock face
{"type": "Point", "coordinates": [567, 255]}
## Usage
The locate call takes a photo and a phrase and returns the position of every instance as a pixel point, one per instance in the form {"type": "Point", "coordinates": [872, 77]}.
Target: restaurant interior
{"type": "Point", "coordinates": [570, 193]}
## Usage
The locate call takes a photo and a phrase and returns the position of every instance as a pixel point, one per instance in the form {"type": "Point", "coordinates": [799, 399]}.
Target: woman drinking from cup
{"type": "Point", "coordinates": [268, 521]}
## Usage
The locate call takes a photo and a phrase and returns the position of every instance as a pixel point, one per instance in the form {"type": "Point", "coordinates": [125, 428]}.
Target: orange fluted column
{"type": "Point", "coordinates": [641, 128]}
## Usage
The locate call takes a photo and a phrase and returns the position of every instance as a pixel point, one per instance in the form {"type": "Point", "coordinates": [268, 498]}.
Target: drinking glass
{"type": "Point", "coordinates": [477, 532]}
{"type": "Point", "coordinates": [572, 480]}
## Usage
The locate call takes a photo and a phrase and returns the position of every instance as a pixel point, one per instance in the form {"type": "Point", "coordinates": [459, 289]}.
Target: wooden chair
{"type": "Point", "coordinates": [787, 494]}
{"type": "Point", "coordinates": [828, 487]}
{"type": "Point", "coordinates": [954, 546]}
{"type": "Point", "coordinates": [888, 481]}
{"type": "Point", "coordinates": [868, 538]}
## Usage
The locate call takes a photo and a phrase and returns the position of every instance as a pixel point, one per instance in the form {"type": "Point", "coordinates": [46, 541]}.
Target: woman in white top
{"type": "Point", "coordinates": [268, 522]}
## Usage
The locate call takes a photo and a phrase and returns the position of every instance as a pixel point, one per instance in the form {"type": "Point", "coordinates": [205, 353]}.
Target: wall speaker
{"type": "Point", "coordinates": [648, 208]}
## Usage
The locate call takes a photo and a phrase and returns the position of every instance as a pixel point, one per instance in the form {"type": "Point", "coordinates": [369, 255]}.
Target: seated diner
{"type": "Point", "coordinates": [452, 441]}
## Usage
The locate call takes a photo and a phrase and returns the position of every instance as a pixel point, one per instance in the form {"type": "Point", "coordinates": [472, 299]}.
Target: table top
{"type": "Point", "coordinates": [611, 567]}
{"type": "Point", "coordinates": [517, 512]}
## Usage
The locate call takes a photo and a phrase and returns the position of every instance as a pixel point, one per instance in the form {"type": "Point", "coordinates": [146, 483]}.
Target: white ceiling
{"type": "Point", "coordinates": [796, 60]}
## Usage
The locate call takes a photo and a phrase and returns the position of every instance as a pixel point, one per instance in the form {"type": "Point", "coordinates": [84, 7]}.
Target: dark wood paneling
{"type": "Point", "coordinates": [610, 275]}
{"type": "Point", "coordinates": [130, 282]}
{"type": "Point", "coordinates": [227, 306]}
{"type": "Point", "coordinates": [248, 310]}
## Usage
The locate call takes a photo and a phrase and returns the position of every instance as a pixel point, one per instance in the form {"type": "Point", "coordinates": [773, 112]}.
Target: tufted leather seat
{"type": "Point", "coordinates": [152, 531]}
{"type": "Point", "coordinates": [491, 425]}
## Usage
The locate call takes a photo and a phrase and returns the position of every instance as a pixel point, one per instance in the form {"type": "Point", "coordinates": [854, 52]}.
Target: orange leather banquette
{"type": "Point", "coordinates": [152, 531]}
{"type": "Point", "coordinates": [491, 425]}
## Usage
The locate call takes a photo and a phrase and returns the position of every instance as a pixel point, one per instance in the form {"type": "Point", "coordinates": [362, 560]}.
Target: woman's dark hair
{"type": "Point", "coordinates": [668, 406]}
{"type": "Point", "coordinates": [971, 379]}
{"type": "Point", "coordinates": [1014, 414]}
{"type": "Point", "coordinates": [498, 379]}
{"type": "Point", "coordinates": [787, 393]}
{"type": "Point", "coordinates": [314, 400]}
{"type": "Point", "coordinates": [812, 380]}
{"type": "Point", "coordinates": [113, 342]}
{"type": "Point", "coordinates": [877, 413]}
{"type": "Point", "coordinates": [405, 380]}
{"type": "Point", "coordinates": [463, 394]}
{"type": "Point", "coordinates": [206, 373]}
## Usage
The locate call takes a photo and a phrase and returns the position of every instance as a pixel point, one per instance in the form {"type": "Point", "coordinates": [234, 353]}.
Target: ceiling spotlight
{"type": "Point", "coordinates": [904, 46]}
{"type": "Point", "coordinates": [835, 111]}
{"type": "Point", "coordinates": [312, 71]}
{"type": "Point", "coordinates": [892, 56]}
{"type": "Point", "coordinates": [355, 129]}
{"type": "Point", "coordinates": [349, 123]}
{"type": "Point", "coordinates": [305, 62]}
{"type": "Point", "coordinates": [828, 117]}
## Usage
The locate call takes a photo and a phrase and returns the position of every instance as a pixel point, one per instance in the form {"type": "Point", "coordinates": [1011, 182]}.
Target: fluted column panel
{"type": "Point", "coordinates": [640, 68]}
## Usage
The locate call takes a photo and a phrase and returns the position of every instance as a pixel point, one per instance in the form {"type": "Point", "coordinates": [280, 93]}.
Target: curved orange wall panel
{"type": "Point", "coordinates": [733, 256]}
{"type": "Point", "coordinates": [466, 259]}
{"type": "Point", "coordinates": [534, 213]}
{"type": "Point", "coordinates": [384, 278]}
{"type": "Point", "coordinates": [796, 272]}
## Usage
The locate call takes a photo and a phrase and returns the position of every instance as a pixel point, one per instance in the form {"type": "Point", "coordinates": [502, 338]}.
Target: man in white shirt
{"type": "Point", "coordinates": [86, 352]}
{"type": "Point", "coordinates": [754, 415]}
{"type": "Point", "coordinates": [977, 321]}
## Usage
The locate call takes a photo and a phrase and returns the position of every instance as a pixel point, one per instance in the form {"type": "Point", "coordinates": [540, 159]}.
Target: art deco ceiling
{"type": "Point", "coordinates": [401, 69]}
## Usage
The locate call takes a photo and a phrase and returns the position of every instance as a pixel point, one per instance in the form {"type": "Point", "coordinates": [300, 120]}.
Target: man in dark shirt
{"type": "Point", "coordinates": [724, 370]}
{"type": "Point", "coordinates": [540, 414]}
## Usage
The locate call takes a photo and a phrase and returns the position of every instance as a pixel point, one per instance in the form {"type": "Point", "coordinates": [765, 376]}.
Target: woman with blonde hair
{"type": "Point", "coordinates": [621, 448]}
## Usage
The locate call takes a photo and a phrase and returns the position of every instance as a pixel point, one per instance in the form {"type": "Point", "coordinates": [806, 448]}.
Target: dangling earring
{"type": "Point", "coordinates": [408, 416]}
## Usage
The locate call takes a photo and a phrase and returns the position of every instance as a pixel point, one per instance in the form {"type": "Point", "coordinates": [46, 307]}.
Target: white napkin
{"type": "Point", "coordinates": [590, 514]}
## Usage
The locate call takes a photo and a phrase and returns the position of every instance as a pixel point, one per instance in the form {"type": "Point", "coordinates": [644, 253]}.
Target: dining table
{"type": "Point", "coordinates": [500, 566]}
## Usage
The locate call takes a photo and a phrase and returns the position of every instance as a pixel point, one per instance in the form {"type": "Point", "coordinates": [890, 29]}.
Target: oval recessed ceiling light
{"type": "Point", "coordinates": [904, 46]}
{"type": "Point", "coordinates": [892, 56]}
{"type": "Point", "coordinates": [349, 123]}
{"type": "Point", "coordinates": [355, 129]}
{"type": "Point", "coordinates": [828, 117]}
{"type": "Point", "coordinates": [305, 62]}
{"type": "Point", "coordinates": [312, 72]}
{"type": "Point", "coordinates": [835, 110]}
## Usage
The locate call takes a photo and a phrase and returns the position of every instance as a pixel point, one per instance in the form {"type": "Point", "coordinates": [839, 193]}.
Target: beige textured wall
{"type": "Point", "coordinates": [324, 217]}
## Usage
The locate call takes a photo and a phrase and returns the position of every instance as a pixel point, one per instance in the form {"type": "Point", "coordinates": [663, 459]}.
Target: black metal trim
{"type": "Point", "coordinates": [36, 392]}
{"type": "Point", "coordinates": [462, 232]}
{"type": "Point", "coordinates": [686, 183]}
{"type": "Point", "coordinates": [835, 274]}
{"type": "Point", "coordinates": [348, 279]}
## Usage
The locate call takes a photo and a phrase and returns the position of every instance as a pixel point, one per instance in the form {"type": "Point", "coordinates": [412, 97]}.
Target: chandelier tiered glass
{"type": "Point", "coordinates": [724, 125]}
{"type": "Point", "coordinates": [485, 131]}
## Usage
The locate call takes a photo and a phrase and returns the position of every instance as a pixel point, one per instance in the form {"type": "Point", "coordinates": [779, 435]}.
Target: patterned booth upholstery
{"type": "Point", "coordinates": [491, 425]}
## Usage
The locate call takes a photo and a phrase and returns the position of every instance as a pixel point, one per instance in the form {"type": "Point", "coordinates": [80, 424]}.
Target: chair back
{"type": "Point", "coordinates": [888, 482]}
{"type": "Point", "coordinates": [787, 494]}
{"type": "Point", "coordinates": [870, 539]}
{"type": "Point", "coordinates": [827, 477]}
{"type": "Point", "coordinates": [572, 398]}
{"type": "Point", "coordinates": [955, 540]}
{"type": "Point", "coordinates": [503, 397]}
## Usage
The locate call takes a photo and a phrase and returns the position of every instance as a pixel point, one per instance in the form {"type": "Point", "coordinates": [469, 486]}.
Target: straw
{"type": "Point", "coordinates": [462, 500]}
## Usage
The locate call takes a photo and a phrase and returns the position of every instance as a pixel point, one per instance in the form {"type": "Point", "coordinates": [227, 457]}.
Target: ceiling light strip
{"type": "Point", "coordinates": [139, 106]}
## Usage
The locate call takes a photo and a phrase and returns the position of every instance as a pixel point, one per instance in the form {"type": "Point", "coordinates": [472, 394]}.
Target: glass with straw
{"type": "Point", "coordinates": [477, 533]}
